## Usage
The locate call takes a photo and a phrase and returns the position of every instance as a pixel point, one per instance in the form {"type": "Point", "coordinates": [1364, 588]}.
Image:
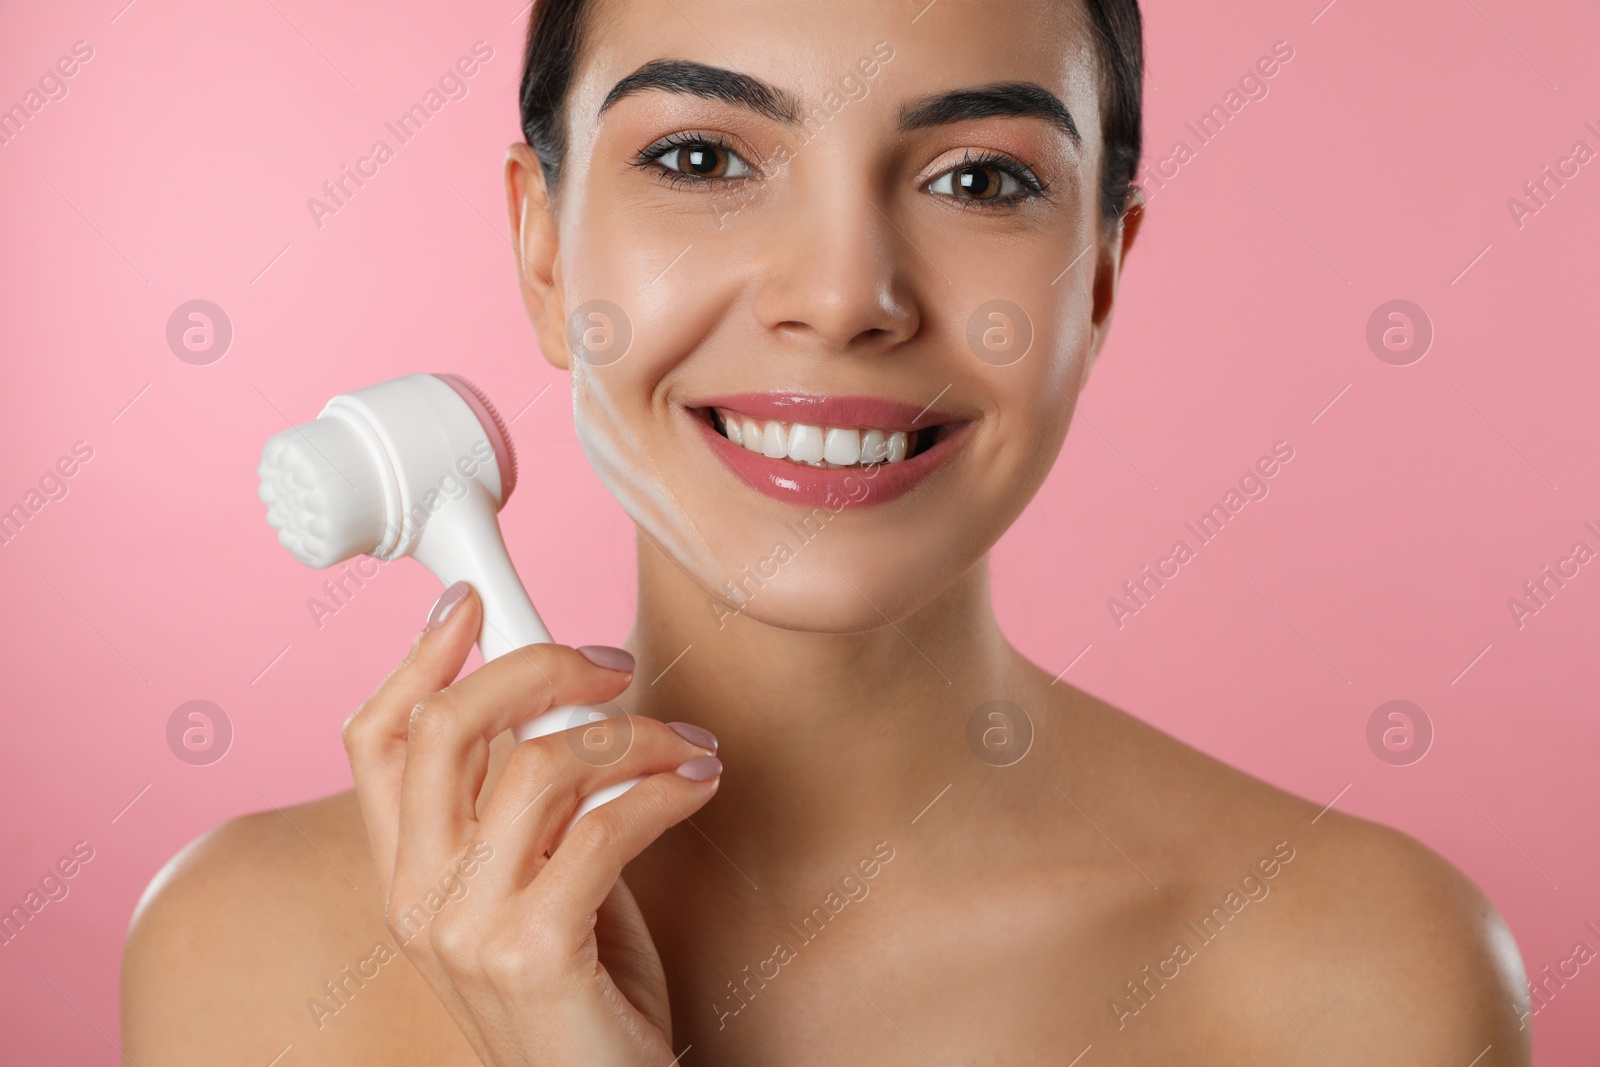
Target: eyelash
{"type": "Point", "coordinates": [651, 156]}
{"type": "Point", "coordinates": [1023, 174]}
{"type": "Point", "coordinates": [1032, 187]}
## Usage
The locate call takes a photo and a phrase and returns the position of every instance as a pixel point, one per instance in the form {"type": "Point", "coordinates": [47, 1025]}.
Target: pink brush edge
{"type": "Point", "coordinates": [505, 453]}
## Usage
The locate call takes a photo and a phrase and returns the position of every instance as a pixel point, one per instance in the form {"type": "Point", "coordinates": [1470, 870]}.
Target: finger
{"type": "Point", "coordinates": [375, 735]}
{"type": "Point", "coordinates": [448, 743]}
{"type": "Point", "coordinates": [628, 953]}
{"type": "Point", "coordinates": [588, 862]}
{"type": "Point", "coordinates": [546, 778]}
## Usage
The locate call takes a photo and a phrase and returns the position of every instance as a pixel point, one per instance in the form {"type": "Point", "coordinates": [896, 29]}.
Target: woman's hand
{"type": "Point", "coordinates": [535, 946]}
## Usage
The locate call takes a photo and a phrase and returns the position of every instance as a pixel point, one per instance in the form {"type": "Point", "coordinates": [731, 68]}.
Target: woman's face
{"type": "Point", "coordinates": [817, 233]}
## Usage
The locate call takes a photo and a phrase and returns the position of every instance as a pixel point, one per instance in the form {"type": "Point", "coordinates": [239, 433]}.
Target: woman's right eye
{"type": "Point", "coordinates": [696, 159]}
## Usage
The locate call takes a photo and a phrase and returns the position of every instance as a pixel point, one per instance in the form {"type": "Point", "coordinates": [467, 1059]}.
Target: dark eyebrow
{"type": "Point", "coordinates": [710, 83]}
{"type": "Point", "coordinates": [1008, 99]}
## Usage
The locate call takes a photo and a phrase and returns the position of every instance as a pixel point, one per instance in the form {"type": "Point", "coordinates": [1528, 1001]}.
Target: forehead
{"type": "Point", "coordinates": [808, 47]}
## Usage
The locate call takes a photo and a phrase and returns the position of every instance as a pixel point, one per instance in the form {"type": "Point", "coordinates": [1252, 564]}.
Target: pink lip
{"type": "Point", "coordinates": [798, 483]}
{"type": "Point", "coordinates": [862, 412]}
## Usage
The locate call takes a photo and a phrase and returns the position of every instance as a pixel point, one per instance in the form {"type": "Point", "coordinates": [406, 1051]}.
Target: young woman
{"type": "Point", "coordinates": [828, 277]}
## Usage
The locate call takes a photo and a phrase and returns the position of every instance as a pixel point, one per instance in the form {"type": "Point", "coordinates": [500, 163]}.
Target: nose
{"type": "Point", "coordinates": [837, 270]}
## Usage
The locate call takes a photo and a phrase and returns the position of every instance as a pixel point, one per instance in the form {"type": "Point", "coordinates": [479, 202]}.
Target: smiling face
{"type": "Point", "coordinates": [828, 281]}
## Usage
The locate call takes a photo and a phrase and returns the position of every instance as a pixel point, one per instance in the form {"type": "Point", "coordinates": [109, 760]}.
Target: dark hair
{"type": "Point", "coordinates": [555, 35]}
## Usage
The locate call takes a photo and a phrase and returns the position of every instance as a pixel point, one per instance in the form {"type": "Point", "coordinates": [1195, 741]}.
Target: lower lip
{"type": "Point", "coordinates": [798, 483]}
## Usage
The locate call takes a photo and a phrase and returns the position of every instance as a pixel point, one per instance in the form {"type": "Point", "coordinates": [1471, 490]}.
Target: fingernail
{"type": "Point", "coordinates": [612, 659]}
{"type": "Point", "coordinates": [446, 604]}
{"type": "Point", "coordinates": [701, 768]}
{"type": "Point", "coordinates": [695, 735]}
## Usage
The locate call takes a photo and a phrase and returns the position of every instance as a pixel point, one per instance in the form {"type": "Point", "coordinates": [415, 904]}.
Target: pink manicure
{"type": "Point", "coordinates": [446, 604]}
{"type": "Point", "coordinates": [695, 735]}
{"type": "Point", "coordinates": [701, 768]}
{"type": "Point", "coordinates": [612, 659]}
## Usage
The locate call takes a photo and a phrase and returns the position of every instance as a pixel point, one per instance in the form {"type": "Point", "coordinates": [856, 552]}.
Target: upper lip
{"type": "Point", "coordinates": [866, 412]}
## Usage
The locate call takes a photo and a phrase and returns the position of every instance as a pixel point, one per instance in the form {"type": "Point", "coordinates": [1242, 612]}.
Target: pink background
{"type": "Point", "coordinates": [1379, 567]}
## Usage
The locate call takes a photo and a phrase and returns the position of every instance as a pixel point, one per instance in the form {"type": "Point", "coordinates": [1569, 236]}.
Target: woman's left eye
{"type": "Point", "coordinates": [701, 160]}
{"type": "Point", "coordinates": [984, 181]}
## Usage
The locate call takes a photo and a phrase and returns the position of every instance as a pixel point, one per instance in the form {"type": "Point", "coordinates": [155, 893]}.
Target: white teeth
{"type": "Point", "coordinates": [751, 430]}
{"type": "Point", "coordinates": [874, 447]}
{"type": "Point", "coordinates": [817, 446]}
{"type": "Point", "coordinates": [842, 447]}
{"type": "Point", "coordinates": [774, 442]}
{"type": "Point", "coordinates": [805, 443]}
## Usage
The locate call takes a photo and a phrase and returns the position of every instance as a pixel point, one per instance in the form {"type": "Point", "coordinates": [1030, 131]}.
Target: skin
{"type": "Point", "coordinates": [1018, 901]}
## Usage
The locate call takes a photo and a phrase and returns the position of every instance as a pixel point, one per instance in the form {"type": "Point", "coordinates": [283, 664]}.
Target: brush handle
{"type": "Point", "coordinates": [462, 542]}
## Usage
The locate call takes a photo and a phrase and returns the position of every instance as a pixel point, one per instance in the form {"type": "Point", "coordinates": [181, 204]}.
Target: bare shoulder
{"type": "Point", "coordinates": [1392, 952]}
{"type": "Point", "coordinates": [255, 937]}
{"type": "Point", "coordinates": [1335, 937]}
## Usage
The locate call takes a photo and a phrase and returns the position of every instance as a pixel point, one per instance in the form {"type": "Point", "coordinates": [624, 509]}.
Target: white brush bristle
{"type": "Point", "coordinates": [322, 491]}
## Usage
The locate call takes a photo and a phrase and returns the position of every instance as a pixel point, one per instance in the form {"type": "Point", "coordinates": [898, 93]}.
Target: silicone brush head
{"type": "Point", "coordinates": [352, 480]}
{"type": "Point", "coordinates": [323, 492]}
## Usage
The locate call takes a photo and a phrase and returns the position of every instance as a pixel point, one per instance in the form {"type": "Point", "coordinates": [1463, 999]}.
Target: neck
{"type": "Point", "coordinates": [827, 739]}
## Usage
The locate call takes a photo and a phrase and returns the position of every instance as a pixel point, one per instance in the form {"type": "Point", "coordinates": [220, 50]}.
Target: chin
{"type": "Point", "coordinates": [838, 581]}
{"type": "Point", "coordinates": [842, 581]}
{"type": "Point", "coordinates": [804, 611]}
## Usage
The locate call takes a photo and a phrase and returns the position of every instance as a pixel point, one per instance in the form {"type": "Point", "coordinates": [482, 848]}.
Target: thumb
{"type": "Point", "coordinates": [375, 736]}
{"type": "Point", "coordinates": [436, 657]}
{"type": "Point", "coordinates": [441, 649]}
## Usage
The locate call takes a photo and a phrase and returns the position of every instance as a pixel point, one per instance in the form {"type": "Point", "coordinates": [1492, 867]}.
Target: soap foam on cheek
{"type": "Point", "coordinates": [670, 317]}
{"type": "Point", "coordinates": [631, 475]}
{"type": "Point", "coordinates": [785, 581]}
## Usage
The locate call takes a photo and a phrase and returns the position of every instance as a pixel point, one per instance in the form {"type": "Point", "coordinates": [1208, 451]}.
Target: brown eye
{"type": "Point", "coordinates": [703, 160]}
{"type": "Point", "coordinates": [981, 181]}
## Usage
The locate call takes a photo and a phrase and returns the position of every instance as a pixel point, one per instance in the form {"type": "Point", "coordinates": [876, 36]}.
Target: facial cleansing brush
{"type": "Point", "coordinates": [418, 466]}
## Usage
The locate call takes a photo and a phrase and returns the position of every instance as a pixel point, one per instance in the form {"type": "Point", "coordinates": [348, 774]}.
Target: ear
{"type": "Point", "coordinates": [534, 236]}
{"type": "Point", "coordinates": [1108, 270]}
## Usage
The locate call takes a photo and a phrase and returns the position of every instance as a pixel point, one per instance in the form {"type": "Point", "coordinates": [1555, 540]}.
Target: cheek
{"type": "Point", "coordinates": [665, 294]}
{"type": "Point", "coordinates": [612, 415]}
{"type": "Point", "coordinates": [1029, 291]}
{"type": "Point", "coordinates": [668, 283]}
{"type": "Point", "coordinates": [1034, 399]}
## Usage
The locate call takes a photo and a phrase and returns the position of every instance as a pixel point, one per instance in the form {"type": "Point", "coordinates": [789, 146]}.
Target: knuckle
{"type": "Point", "coordinates": [431, 719]}
{"type": "Point", "coordinates": [352, 734]}
{"type": "Point", "coordinates": [533, 760]}
{"type": "Point", "coordinates": [511, 961]}
{"type": "Point", "coordinates": [359, 730]}
{"type": "Point", "coordinates": [452, 943]}
{"type": "Point", "coordinates": [598, 832]}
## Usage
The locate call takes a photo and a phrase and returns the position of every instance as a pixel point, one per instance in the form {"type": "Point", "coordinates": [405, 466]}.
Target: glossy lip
{"type": "Point", "coordinates": [798, 483]}
{"type": "Point", "coordinates": [851, 412]}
